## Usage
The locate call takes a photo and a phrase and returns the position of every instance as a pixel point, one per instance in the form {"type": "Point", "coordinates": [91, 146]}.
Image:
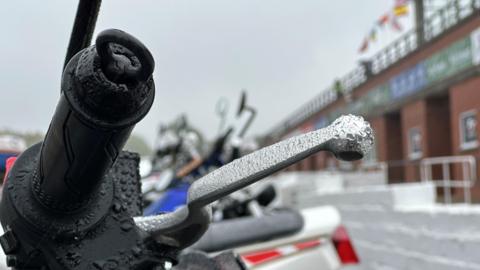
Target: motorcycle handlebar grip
{"type": "Point", "coordinates": [106, 90]}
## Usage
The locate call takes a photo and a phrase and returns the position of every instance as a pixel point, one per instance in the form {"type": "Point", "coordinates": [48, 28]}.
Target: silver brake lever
{"type": "Point", "coordinates": [348, 138]}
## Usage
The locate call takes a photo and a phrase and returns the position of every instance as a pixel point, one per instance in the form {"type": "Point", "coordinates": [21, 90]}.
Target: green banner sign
{"type": "Point", "coordinates": [378, 97]}
{"type": "Point", "coordinates": [449, 61]}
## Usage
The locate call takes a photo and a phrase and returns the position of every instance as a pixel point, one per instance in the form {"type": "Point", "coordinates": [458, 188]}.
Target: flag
{"type": "Point", "coordinates": [401, 2]}
{"type": "Point", "coordinates": [373, 35]}
{"type": "Point", "coordinates": [364, 46]}
{"type": "Point", "coordinates": [396, 25]}
{"type": "Point", "coordinates": [383, 20]}
{"type": "Point", "coordinates": [400, 10]}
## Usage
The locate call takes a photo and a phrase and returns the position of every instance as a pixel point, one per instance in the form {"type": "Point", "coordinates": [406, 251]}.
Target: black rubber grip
{"type": "Point", "coordinates": [83, 142]}
{"type": "Point", "coordinates": [74, 157]}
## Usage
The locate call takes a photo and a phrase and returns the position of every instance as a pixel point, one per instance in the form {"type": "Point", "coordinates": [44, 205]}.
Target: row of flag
{"type": "Point", "coordinates": [389, 18]}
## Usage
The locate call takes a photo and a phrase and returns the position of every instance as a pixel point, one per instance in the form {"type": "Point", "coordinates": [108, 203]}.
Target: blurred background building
{"type": "Point", "coordinates": [422, 96]}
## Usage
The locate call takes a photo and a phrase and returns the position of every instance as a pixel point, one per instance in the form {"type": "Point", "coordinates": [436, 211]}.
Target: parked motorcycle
{"type": "Point", "coordinates": [177, 149]}
{"type": "Point", "coordinates": [163, 194]}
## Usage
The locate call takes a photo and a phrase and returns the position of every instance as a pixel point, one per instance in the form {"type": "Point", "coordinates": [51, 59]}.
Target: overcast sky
{"type": "Point", "coordinates": [283, 52]}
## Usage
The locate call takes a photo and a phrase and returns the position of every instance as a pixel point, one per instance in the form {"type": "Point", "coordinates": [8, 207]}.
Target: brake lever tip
{"type": "Point", "coordinates": [352, 137]}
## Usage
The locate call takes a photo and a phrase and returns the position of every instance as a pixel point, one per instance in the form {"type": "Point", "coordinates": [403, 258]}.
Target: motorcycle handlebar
{"type": "Point", "coordinates": [106, 90]}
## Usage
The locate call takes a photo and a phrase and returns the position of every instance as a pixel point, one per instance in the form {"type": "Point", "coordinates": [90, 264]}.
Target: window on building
{"type": "Point", "coordinates": [468, 130]}
{"type": "Point", "coordinates": [414, 143]}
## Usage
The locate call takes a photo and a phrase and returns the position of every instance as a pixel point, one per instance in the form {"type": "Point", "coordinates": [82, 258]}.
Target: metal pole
{"type": "Point", "coordinates": [419, 21]}
{"type": "Point", "coordinates": [429, 175]}
{"type": "Point", "coordinates": [456, 5]}
{"type": "Point", "coordinates": [466, 183]}
{"type": "Point", "coordinates": [446, 183]}
{"type": "Point", "coordinates": [83, 27]}
{"type": "Point", "coordinates": [423, 173]}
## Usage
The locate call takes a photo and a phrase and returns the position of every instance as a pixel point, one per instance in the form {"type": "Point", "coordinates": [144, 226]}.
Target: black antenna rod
{"type": "Point", "coordinates": [83, 27]}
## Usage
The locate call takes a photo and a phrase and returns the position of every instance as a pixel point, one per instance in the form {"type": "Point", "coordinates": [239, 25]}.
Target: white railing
{"type": "Point", "coordinates": [468, 177]}
{"type": "Point", "coordinates": [437, 170]}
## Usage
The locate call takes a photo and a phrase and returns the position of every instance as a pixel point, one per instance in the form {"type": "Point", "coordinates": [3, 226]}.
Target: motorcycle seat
{"type": "Point", "coordinates": [248, 230]}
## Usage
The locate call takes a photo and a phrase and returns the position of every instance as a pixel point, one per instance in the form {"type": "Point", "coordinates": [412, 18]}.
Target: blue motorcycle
{"type": "Point", "coordinates": [175, 194]}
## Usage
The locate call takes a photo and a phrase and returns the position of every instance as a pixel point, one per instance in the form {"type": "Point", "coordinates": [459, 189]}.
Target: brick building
{"type": "Point", "coordinates": [421, 96]}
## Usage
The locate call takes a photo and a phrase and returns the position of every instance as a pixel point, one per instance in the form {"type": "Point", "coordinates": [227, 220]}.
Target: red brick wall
{"type": "Point", "coordinates": [465, 97]}
{"type": "Point", "coordinates": [438, 133]}
{"type": "Point", "coordinates": [413, 115]}
{"type": "Point", "coordinates": [379, 126]}
{"type": "Point", "coordinates": [432, 117]}
{"type": "Point", "coordinates": [320, 161]}
{"type": "Point", "coordinates": [303, 165]}
{"type": "Point", "coordinates": [394, 148]}
{"type": "Point", "coordinates": [395, 139]}
{"type": "Point", "coordinates": [388, 142]}
{"type": "Point", "coordinates": [438, 127]}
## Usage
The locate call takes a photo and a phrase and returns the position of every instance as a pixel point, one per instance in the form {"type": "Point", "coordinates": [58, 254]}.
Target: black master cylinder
{"type": "Point", "coordinates": [68, 202]}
